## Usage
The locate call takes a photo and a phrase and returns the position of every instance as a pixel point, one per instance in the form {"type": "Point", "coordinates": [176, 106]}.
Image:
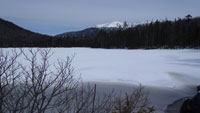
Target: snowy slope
{"type": "Point", "coordinates": [118, 24]}
{"type": "Point", "coordinates": [115, 24]}
{"type": "Point", "coordinates": [112, 24]}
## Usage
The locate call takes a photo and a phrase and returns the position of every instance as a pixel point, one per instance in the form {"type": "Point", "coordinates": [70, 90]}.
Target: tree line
{"type": "Point", "coordinates": [180, 33]}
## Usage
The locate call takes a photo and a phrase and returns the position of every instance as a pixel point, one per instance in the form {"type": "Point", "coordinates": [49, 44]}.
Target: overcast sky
{"type": "Point", "coordinates": [57, 16]}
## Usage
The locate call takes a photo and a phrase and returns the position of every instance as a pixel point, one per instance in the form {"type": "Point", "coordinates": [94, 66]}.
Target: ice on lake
{"type": "Point", "coordinates": [158, 67]}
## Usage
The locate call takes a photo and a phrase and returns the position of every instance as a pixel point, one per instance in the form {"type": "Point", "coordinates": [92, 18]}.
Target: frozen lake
{"type": "Point", "coordinates": [166, 68]}
{"type": "Point", "coordinates": [168, 74]}
{"type": "Point", "coordinates": [159, 67]}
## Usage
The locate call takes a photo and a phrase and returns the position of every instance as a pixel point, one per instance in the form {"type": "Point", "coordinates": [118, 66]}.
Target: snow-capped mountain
{"type": "Point", "coordinates": [115, 24]}
{"type": "Point", "coordinates": [93, 31]}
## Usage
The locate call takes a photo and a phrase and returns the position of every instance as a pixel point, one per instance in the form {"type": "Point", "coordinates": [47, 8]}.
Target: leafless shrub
{"type": "Point", "coordinates": [136, 102]}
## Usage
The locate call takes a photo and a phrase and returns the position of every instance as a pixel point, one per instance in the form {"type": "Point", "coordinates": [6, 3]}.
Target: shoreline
{"type": "Point", "coordinates": [162, 98]}
{"type": "Point", "coordinates": [175, 106]}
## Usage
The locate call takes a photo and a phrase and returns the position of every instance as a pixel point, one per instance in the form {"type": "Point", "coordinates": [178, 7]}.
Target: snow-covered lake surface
{"type": "Point", "coordinates": [168, 68]}
{"type": "Point", "coordinates": [167, 73]}
{"type": "Point", "coordinates": [159, 67]}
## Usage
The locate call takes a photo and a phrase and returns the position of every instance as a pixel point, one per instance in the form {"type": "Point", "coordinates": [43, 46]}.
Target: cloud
{"type": "Point", "coordinates": [80, 13]}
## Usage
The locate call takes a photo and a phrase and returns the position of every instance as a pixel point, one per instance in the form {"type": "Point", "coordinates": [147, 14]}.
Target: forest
{"type": "Point", "coordinates": [180, 33]}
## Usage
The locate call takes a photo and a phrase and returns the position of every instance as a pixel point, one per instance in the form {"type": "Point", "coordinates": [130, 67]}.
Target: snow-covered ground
{"type": "Point", "coordinates": [168, 72]}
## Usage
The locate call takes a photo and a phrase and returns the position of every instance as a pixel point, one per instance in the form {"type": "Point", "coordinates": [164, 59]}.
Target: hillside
{"type": "Point", "coordinates": [12, 35]}
{"type": "Point", "coordinates": [89, 32]}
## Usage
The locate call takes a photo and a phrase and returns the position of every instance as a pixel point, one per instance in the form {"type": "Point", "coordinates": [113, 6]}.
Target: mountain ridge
{"type": "Point", "coordinates": [6, 27]}
{"type": "Point", "coordinates": [93, 31]}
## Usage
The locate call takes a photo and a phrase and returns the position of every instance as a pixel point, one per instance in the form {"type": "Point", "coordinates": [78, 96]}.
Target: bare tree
{"type": "Point", "coordinates": [39, 83]}
{"type": "Point", "coordinates": [43, 84]}
{"type": "Point", "coordinates": [8, 75]}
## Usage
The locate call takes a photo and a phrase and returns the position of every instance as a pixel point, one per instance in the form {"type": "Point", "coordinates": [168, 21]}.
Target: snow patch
{"type": "Point", "coordinates": [115, 24]}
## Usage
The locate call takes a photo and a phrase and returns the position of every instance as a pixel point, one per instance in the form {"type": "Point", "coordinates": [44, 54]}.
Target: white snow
{"type": "Point", "coordinates": [115, 24]}
{"type": "Point", "coordinates": [163, 68]}
{"type": "Point", "coordinates": [118, 24]}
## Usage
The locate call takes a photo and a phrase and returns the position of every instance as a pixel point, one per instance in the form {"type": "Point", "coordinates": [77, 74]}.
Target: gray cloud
{"type": "Point", "coordinates": [84, 13]}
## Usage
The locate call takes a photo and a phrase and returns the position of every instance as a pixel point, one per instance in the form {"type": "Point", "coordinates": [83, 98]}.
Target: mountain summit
{"type": "Point", "coordinates": [115, 24]}
{"type": "Point", "coordinates": [112, 24]}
